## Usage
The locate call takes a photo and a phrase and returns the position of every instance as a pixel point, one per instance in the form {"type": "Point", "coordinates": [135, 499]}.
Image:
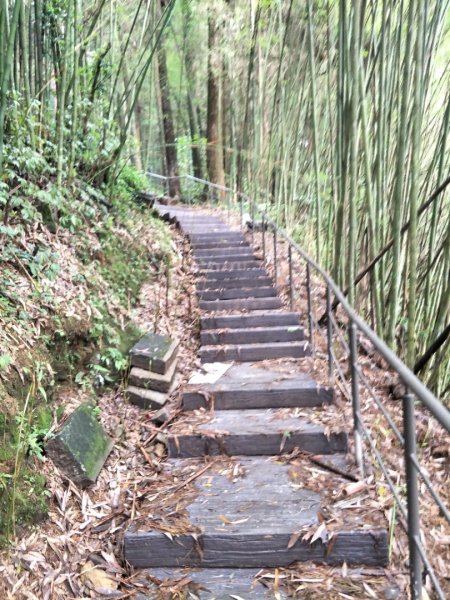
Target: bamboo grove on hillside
{"type": "Point", "coordinates": [72, 73]}
{"type": "Point", "coordinates": [335, 114]}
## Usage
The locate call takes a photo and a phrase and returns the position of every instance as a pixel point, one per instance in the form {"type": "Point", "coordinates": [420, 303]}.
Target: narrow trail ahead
{"type": "Point", "coordinates": [269, 511]}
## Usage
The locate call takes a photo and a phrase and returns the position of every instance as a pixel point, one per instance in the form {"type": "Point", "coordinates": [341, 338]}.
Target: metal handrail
{"type": "Point", "coordinates": [414, 387]}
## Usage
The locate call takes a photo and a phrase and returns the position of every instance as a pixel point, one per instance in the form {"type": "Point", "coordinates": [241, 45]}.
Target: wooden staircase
{"type": "Point", "coordinates": [261, 517]}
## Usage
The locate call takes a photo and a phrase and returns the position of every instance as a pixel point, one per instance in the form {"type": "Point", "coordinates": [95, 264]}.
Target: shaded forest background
{"type": "Point", "coordinates": [333, 114]}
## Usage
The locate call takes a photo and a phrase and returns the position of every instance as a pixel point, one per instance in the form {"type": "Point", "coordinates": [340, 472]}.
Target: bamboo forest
{"type": "Point", "coordinates": [225, 299]}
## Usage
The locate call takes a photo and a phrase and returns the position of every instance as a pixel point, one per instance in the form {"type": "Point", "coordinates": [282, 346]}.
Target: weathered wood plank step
{"type": "Point", "coordinates": [216, 237]}
{"type": "Point", "coordinates": [240, 304]}
{"type": "Point", "coordinates": [251, 522]}
{"type": "Point", "coordinates": [224, 284]}
{"type": "Point", "coordinates": [234, 293]}
{"type": "Point", "coordinates": [215, 244]}
{"type": "Point", "coordinates": [222, 584]}
{"type": "Point", "coordinates": [256, 319]}
{"type": "Point", "coordinates": [222, 261]}
{"type": "Point", "coordinates": [253, 432]}
{"type": "Point", "coordinates": [234, 274]}
{"type": "Point", "coordinates": [254, 335]}
{"type": "Point", "coordinates": [253, 352]}
{"type": "Point", "coordinates": [247, 386]}
{"type": "Point", "coordinates": [216, 252]}
{"type": "Point", "coordinates": [148, 380]}
{"type": "Point", "coordinates": [230, 266]}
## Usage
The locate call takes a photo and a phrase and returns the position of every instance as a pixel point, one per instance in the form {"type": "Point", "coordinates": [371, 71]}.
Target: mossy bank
{"type": "Point", "coordinates": [71, 267]}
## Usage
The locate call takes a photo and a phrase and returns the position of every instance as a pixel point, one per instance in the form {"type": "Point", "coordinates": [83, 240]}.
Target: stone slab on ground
{"type": "Point", "coordinates": [247, 386]}
{"type": "Point", "coordinates": [154, 353]}
{"type": "Point", "coordinates": [80, 448]}
{"type": "Point", "coordinates": [250, 522]}
{"type": "Point", "coordinates": [253, 432]}
{"type": "Point", "coordinates": [149, 380]}
{"type": "Point", "coordinates": [149, 399]}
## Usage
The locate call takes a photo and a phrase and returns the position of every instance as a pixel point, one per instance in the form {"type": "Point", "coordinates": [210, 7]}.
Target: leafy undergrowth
{"type": "Point", "coordinates": [79, 548]}
{"type": "Point", "coordinates": [84, 529]}
{"type": "Point", "coordinates": [72, 263]}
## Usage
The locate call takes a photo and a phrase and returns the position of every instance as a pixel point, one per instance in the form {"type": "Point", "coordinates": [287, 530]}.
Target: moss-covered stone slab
{"type": "Point", "coordinates": [154, 353]}
{"type": "Point", "coordinates": [80, 448]}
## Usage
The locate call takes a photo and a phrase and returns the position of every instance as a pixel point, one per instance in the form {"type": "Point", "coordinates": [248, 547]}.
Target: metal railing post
{"type": "Point", "coordinates": [291, 282]}
{"type": "Point", "coordinates": [253, 222]}
{"type": "Point", "coordinates": [310, 320]}
{"type": "Point", "coordinates": [263, 237]}
{"type": "Point", "coordinates": [357, 433]}
{"type": "Point", "coordinates": [275, 256]}
{"type": "Point", "coordinates": [329, 335]}
{"type": "Point", "coordinates": [412, 496]}
{"type": "Point", "coordinates": [241, 208]}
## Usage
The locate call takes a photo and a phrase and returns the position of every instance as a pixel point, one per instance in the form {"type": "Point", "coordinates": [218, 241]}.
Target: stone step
{"type": "Point", "coordinates": [252, 352]}
{"type": "Point", "coordinates": [254, 335]}
{"type": "Point", "coordinates": [252, 521]}
{"type": "Point", "coordinates": [154, 353]}
{"type": "Point", "coordinates": [234, 275]}
{"type": "Point", "coordinates": [142, 378]}
{"type": "Point", "coordinates": [256, 319]}
{"type": "Point", "coordinates": [234, 293]}
{"type": "Point", "coordinates": [253, 432]}
{"type": "Point", "coordinates": [247, 386]}
{"type": "Point", "coordinates": [216, 252]}
{"type": "Point", "coordinates": [240, 304]}
{"type": "Point", "coordinates": [225, 284]}
{"type": "Point", "coordinates": [150, 399]}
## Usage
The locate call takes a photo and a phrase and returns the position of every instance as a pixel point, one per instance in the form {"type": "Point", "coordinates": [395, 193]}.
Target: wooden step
{"type": "Point", "coordinates": [254, 521]}
{"type": "Point", "coordinates": [257, 319]}
{"type": "Point", "coordinates": [247, 386]}
{"type": "Point", "coordinates": [224, 245]}
{"type": "Point", "coordinates": [234, 293]}
{"type": "Point", "coordinates": [253, 432]}
{"type": "Point", "coordinates": [234, 275]}
{"type": "Point", "coordinates": [224, 284]}
{"type": "Point", "coordinates": [252, 352]}
{"type": "Point", "coordinates": [240, 304]}
{"type": "Point", "coordinates": [254, 335]}
{"type": "Point", "coordinates": [216, 237]}
{"type": "Point", "coordinates": [228, 262]}
{"type": "Point", "coordinates": [216, 252]}
{"type": "Point", "coordinates": [223, 584]}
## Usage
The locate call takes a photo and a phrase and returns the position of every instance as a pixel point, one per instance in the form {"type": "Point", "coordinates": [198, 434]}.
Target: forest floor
{"type": "Point", "coordinates": [76, 552]}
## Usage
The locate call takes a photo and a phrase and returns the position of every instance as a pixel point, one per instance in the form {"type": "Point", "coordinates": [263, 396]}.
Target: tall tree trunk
{"type": "Point", "coordinates": [168, 128]}
{"type": "Point", "coordinates": [214, 151]}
